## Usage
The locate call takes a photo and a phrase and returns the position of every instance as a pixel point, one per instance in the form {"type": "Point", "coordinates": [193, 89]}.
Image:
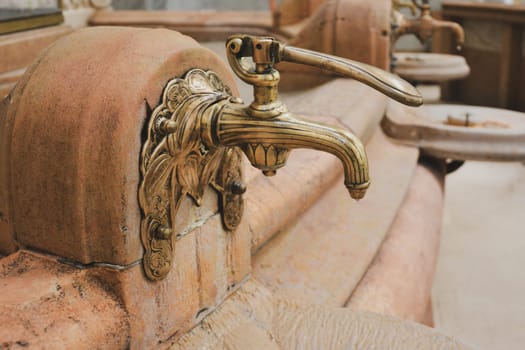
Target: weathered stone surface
{"type": "Point", "coordinates": [73, 137]}
{"type": "Point", "coordinates": [323, 255]}
{"type": "Point", "coordinates": [48, 305]}
{"type": "Point", "coordinates": [201, 25]}
{"type": "Point", "coordinates": [399, 280]}
{"type": "Point", "coordinates": [208, 265]}
{"type": "Point", "coordinates": [290, 12]}
{"type": "Point", "coordinates": [19, 50]}
{"type": "Point", "coordinates": [256, 319]}
{"type": "Point", "coordinates": [334, 28]}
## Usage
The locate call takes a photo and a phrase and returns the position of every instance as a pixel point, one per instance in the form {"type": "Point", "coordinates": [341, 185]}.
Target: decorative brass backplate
{"type": "Point", "coordinates": [175, 162]}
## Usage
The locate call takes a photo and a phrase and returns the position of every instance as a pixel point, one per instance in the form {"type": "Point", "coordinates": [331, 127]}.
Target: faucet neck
{"type": "Point", "coordinates": [262, 76]}
{"type": "Point", "coordinates": [266, 103]}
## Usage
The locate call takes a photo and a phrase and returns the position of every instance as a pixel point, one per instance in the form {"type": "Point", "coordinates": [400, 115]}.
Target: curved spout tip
{"type": "Point", "coordinates": [357, 192]}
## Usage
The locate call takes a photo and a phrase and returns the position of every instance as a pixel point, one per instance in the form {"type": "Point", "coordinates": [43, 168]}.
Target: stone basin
{"type": "Point", "coordinates": [227, 288]}
{"type": "Point", "coordinates": [434, 67]}
{"type": "Point", "coordinates": [459, 132]}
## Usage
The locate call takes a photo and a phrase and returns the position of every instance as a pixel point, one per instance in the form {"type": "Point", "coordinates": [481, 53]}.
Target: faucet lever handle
{"type": "Point", "coordinates": [266, 51]}
{"type": "Point", "coordinates": [412, 5]}
{"type": "Point", "coordinates": [385, 82]}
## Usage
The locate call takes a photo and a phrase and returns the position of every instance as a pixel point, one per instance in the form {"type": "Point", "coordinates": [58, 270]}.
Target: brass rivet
{"type": "Point", "coordinates": [170, 127]}
{"type": "Point", "coordinates": [238, 188]}
{"type": "Point", "coordinates": [163, 232]}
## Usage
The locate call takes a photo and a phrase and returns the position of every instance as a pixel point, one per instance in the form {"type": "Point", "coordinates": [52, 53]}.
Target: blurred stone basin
{"type": "Point", "coordinates": [459, 132]}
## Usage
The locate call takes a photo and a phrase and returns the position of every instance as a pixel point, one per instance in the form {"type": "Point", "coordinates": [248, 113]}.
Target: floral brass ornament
{"type": "Point", "coordinates": [175, 163]}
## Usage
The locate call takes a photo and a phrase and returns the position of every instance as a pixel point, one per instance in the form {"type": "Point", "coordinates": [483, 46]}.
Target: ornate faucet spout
{"type": "Point", "coordinates": [267, 142]}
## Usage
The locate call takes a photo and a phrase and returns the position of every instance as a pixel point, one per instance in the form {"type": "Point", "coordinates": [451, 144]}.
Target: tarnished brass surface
{"type": "Point", "coordinates": [195, 136]}
{"type": "Point", "coordinates": [423, 26]}
{"type": "Point", "coordinates": [175, 163]}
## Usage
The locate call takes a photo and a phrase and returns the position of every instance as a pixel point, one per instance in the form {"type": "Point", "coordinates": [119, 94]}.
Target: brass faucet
{"type": "Point", "coordinates": [423, 26]}
{"type": "Point", "coordinates": [266, 131]}
{"type": "Point", "coordinates": [196, 136]}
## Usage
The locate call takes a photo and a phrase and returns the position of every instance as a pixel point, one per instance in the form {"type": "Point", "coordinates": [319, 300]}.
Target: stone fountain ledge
{"type": "Point", "coordinates": [70, 217]}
